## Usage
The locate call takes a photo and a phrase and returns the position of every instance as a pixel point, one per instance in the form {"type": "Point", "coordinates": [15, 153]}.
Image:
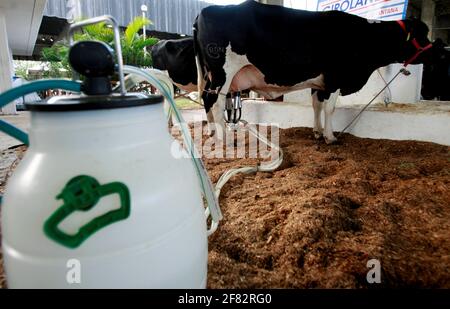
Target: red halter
{"type": "Point", "coordinates": [419, 48]}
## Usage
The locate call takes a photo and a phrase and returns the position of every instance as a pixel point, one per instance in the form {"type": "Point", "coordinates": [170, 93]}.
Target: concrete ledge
{"type": "Point", "coordinates": [424, 121]}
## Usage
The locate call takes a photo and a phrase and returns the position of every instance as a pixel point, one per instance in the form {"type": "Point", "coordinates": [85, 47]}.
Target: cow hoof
{"type": "Point", "coordinates": [330, 141]}
{"type": "Point", "coordinates": [318, 134]}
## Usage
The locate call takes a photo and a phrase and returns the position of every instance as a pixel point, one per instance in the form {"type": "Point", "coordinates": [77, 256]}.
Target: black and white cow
{"type": "Point", "coordinates": [177, 59]}
{"type": "Point", "coordinates": [436, 74]}
{"type": "Point", "coordinates": [273, 50]}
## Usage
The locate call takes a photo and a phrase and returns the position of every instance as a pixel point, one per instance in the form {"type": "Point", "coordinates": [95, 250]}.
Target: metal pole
{"type": "Point", "coordinates": [402, 70]}
{"type": "Point", "coordinates": [144, 29]}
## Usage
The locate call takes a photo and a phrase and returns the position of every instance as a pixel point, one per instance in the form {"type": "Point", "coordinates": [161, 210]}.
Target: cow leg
{"type": "Point", "coordinates": [217, 117]}
{"type": "Point", "coordinates": [210, 125]}
{"type": "Point", "coordinates": [208, 101]}
{"type": "Point", "coordinates": [330, 105]}
{"type": "Point", "coordinates": [213, 105]}
{"type": "Point", "coordinates": [317, 106]}
{"type": "Point", "coordinates": [216, 120]}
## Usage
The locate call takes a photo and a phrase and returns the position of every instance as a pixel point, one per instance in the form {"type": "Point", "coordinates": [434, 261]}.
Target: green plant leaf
{"type": "Point", "coordinates": [55, 53]}
{"type": "Point", "coordinates": [99, 32]}
{"type": "Point", "coordinates": [133, 28]}
{"type": "Point", "coordinates": [132, 46]}
{"type": "Point", "coordinates": [81, 37]}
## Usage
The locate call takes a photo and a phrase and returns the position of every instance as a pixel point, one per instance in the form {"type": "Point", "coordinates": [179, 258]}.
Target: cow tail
{"type": "Point", "coordinates": [200, 69]}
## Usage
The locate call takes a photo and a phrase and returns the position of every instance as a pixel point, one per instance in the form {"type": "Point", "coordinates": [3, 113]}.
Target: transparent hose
{"type": "Point", "coordinates": [40, 85]}
{"type": "Point", "coordinates": [205, 182]}
{"type": "Point", "coordinates": [17, 92]}
{"type": "Point", "coordinates": [263, 167]}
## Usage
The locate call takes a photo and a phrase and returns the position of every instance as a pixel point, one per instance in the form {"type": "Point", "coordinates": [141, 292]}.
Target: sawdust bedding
{"type": "Point", "coordinates": [318, 219]}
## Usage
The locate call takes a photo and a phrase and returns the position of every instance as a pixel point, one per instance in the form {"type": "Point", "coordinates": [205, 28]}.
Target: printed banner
{"type": "Point", "coordinates": [370, 9]}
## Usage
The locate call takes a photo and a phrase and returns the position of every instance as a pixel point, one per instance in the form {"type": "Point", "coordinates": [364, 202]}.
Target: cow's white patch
{"type": "Point", "coordinates": [233, 64]}
{"type": "Point", "coordinates": [317, 106]}
{"type": "Point", "coordinates": [330, 105]}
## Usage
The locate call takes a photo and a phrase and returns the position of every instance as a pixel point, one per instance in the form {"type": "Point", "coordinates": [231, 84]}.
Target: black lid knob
{"type": "Point", "coordinates": [95, 61]}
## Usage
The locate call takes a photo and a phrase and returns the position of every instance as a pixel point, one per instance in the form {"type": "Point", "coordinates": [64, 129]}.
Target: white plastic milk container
{"type": "Point", "coordinates": [99, 201]}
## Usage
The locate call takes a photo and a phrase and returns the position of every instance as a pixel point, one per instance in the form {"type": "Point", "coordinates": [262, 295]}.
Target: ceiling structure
{"type": "Point", "coordinates": [27, 34]}
{"type": "Point", "coordinates": [23, 19]}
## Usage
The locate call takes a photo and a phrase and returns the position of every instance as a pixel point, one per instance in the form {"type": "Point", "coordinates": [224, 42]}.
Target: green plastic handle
{"type": "Point", "coordinates": [82, 193]}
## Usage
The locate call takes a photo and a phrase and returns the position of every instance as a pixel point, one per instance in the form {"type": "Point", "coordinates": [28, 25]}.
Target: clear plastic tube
{"type": "Point", "coordinates": [17, 92]}
{"type": "Point", "coordinates": [14, 132]}
{"type": "Point", "coordinates": [205, 182]}
{"type": "Point", "coordinates": [40, 85]}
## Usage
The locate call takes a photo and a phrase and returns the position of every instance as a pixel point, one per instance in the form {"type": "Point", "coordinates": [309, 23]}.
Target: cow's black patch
{"type": "Point", "coordinates": [291, 46]}
{"type": "Point", "coordinates": [436, 74]}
